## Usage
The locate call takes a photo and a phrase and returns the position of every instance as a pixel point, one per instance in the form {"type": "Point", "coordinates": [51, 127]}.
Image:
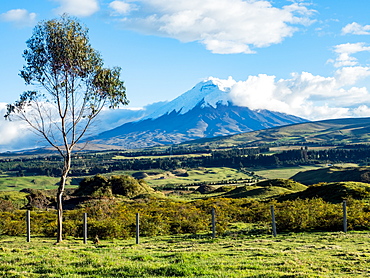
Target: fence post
{"type": "Point", "coordinates": [273, 222]}
{"type": "Point", "coordinates": [85, 227]}
{"type": "Point", "coordinates": [137, 228]}
{"type": "Point", "coordinates": [28, 224]}
{"type": "Point", "coordinates": [345, 216]}
{"type": "Point", "coordinates": [213, 223]}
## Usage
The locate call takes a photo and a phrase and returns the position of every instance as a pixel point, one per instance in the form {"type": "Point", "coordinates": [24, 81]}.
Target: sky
{"type": "Point", "coordinates": [307, 58]}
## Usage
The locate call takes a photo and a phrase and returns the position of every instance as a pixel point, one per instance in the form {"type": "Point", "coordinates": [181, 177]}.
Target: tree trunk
{"type": "Point", "coordinates": [60, 193]}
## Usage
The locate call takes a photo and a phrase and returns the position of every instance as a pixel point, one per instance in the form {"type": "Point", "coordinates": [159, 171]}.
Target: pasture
{"type": "Point", "coordinates": [326, 254]}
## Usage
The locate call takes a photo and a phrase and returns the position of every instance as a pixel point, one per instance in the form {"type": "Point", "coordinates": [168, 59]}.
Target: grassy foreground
{"type": "Point", "coordinates": [289, 255]}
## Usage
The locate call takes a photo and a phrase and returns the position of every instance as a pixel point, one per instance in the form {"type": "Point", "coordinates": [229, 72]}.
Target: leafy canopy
{"type": "Point", "coordinates": [72, 86]}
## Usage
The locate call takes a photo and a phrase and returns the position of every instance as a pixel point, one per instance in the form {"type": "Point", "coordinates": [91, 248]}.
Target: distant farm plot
{"type": "Point", "coordinates": [288, 172]}
{"type": "Point", "coordinates": [284, 172]}
{"type": "Point", "coordinates": [196, 175]}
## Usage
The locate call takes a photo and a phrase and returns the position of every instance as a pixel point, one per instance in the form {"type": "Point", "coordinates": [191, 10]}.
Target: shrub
{"type": "Point", "coordinates": [6, 205]}
{"type": "Point", "coordinates": [100, 186]}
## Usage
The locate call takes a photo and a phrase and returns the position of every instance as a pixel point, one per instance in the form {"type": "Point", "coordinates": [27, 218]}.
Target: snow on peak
{"type": "Point", "coordinates": [210, 92]}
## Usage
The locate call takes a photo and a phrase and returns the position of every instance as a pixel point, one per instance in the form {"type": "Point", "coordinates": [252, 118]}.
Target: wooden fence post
{"type": "Point", "coordinates": [85, 227]}
{"type": "Point", "coordinates": [213, 223]}
{"type": "Point", "coordinates": [345, 216]}
{"type": "Point", "coordinates": [137, 228]}
{"type": "Point", "coordinates": [273, 222]}
{"type": "Point", "coordinates": [28, 224]}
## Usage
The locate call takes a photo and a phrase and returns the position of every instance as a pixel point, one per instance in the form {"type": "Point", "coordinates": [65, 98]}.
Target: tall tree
{"type": "Point", "coordinates": [72, 87]}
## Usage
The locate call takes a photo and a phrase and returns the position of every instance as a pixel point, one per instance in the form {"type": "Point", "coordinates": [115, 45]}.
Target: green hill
{"type": "Point", "coordinates": [265, 189]}
{"type": "Point", "coordinates": [333, 174]}
{"type": "Point", "coordinates": [334, 192]}
{"type": "Point", "coordinates": [337, 131]}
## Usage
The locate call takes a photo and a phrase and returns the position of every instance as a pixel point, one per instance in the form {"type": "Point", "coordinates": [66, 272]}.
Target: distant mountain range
{"type": "Point", "coordinates": [205, 111]}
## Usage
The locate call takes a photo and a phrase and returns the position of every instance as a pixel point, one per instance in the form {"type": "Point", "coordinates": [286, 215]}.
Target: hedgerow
{"type": "Point", "coordinates": [112, 218]}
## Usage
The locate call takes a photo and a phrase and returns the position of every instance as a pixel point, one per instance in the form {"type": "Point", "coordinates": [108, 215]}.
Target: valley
{"type": "Point", "coordinates": [174, 189]}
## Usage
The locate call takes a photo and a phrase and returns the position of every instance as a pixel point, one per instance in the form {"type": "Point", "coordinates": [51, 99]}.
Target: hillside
{"type": "Point", "coordinates": [334, 192]}
{"type": "Point", "coordinates": [333, 174]}
{"type": "Point", "coordinates": [265, 189]}
{"type": "Point", "coordinates": [337, 131]}
{"type": "Point", "coordinates": [328, 132]}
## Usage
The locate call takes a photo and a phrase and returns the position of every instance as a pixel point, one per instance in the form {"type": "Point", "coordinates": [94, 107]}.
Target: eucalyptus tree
{"type": "Point", "coordinates": [70, 88]}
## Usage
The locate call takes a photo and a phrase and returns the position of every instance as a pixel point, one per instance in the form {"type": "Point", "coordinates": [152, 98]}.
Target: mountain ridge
{"type": "Point", "coordinates": [200, 122]}
{"type": "Point", "coordinates": [204, 111]}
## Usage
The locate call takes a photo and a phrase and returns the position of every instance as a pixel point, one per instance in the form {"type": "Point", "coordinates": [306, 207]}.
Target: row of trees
{"type": "Point", "coordinates": [238, 158]}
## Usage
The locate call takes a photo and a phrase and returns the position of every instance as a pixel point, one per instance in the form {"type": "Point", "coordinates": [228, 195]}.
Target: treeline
{"type": "Point", "coordinates": [98, 163]}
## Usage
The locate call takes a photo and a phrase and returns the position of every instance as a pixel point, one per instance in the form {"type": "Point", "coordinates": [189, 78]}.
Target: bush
{"type": "Point", "coordinates": [6, 205]}
{"type": "Point", "coordinates": [100, 186]}
{"type": "Point", "coordinates": [109, 219]}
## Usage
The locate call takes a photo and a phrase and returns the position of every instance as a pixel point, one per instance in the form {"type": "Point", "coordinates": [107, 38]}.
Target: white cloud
{"type": "Point", "coordinates": [306, 95]}
{"type": "Point", "coordinates": [78, 8]}
{"type": "Point", "coordinates": [20, 17]}
{"type": "Point", "coordinates": [121, 7]}
{"type": "Point", "coordinates": [15, 135]}
{"type": "Point", "coordinates": [351, 75]}
{"type": "Point", "coordinates": [223, 26]}
{"type": "Point", "coordinates": [356, 29]}
{"type": "Point", "coordinates": [345, 51]}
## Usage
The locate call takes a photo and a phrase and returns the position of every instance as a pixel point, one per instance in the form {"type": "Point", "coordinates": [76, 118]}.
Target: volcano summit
{"type": "Point", "coordinates": [204, 111]}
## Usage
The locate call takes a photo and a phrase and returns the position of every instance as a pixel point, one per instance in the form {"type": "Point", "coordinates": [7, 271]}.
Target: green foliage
{"type": "Point", "coordinates": [306, 215]}
{"type": "Point", "coordinates": [284, 183]}
{"type": "Point", "coordinates": [128, 186]}
{"type": "Point", "coordinates": [13, 223]}
{"type": "Point", "coordinates": [12, 200]}
{"type": "Point", "coordinates": [6, 205]}
{"type": "Point", "coordinates": [101, 186]}
{"type": "Point", "coordinates": [72, 89]}
{"type": "Point", "coordinates": [59, 57]}
{"type": "Point", "coordinates": [110, 218]}
{"type": "Point", "coordinates": [90, 185]}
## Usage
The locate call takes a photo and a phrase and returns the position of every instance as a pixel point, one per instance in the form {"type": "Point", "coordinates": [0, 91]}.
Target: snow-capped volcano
{"type": "Point", "coordinates": [210, 92]}
{"type": "Point", "coordinates": [204, 111]}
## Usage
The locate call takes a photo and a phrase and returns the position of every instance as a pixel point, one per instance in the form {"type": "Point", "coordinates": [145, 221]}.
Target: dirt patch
{"type": "Point", "coordinates": [180, 173]}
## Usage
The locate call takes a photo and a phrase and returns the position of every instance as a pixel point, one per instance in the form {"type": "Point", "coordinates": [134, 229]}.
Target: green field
{"type": "Point", "coordinates": [284, 172]}
{"type": "Point", "coordinates": [287, 172]}
{"type": "Point", "coordinates": [288, 255]}
{"type": "Point", "coordinates": [11, 183]}
{"type": "Point", "coordinates": [217, 174]}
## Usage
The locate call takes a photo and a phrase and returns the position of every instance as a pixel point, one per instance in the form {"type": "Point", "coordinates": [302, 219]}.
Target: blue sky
{"type": "Point", "coordinates": [308, 58]}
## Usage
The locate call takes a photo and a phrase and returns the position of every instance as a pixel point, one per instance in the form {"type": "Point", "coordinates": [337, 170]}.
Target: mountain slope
{"type": "Point", "coordinates": [200, 122]}
{"type": "Point", "coordinates": [204, 111]}
{"type": "Point", "coordinates": [335, 131]}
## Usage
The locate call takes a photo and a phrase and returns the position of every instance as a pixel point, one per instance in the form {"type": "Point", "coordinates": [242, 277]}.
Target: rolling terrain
{"type": "Point", "coordinates": [327, 132]}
